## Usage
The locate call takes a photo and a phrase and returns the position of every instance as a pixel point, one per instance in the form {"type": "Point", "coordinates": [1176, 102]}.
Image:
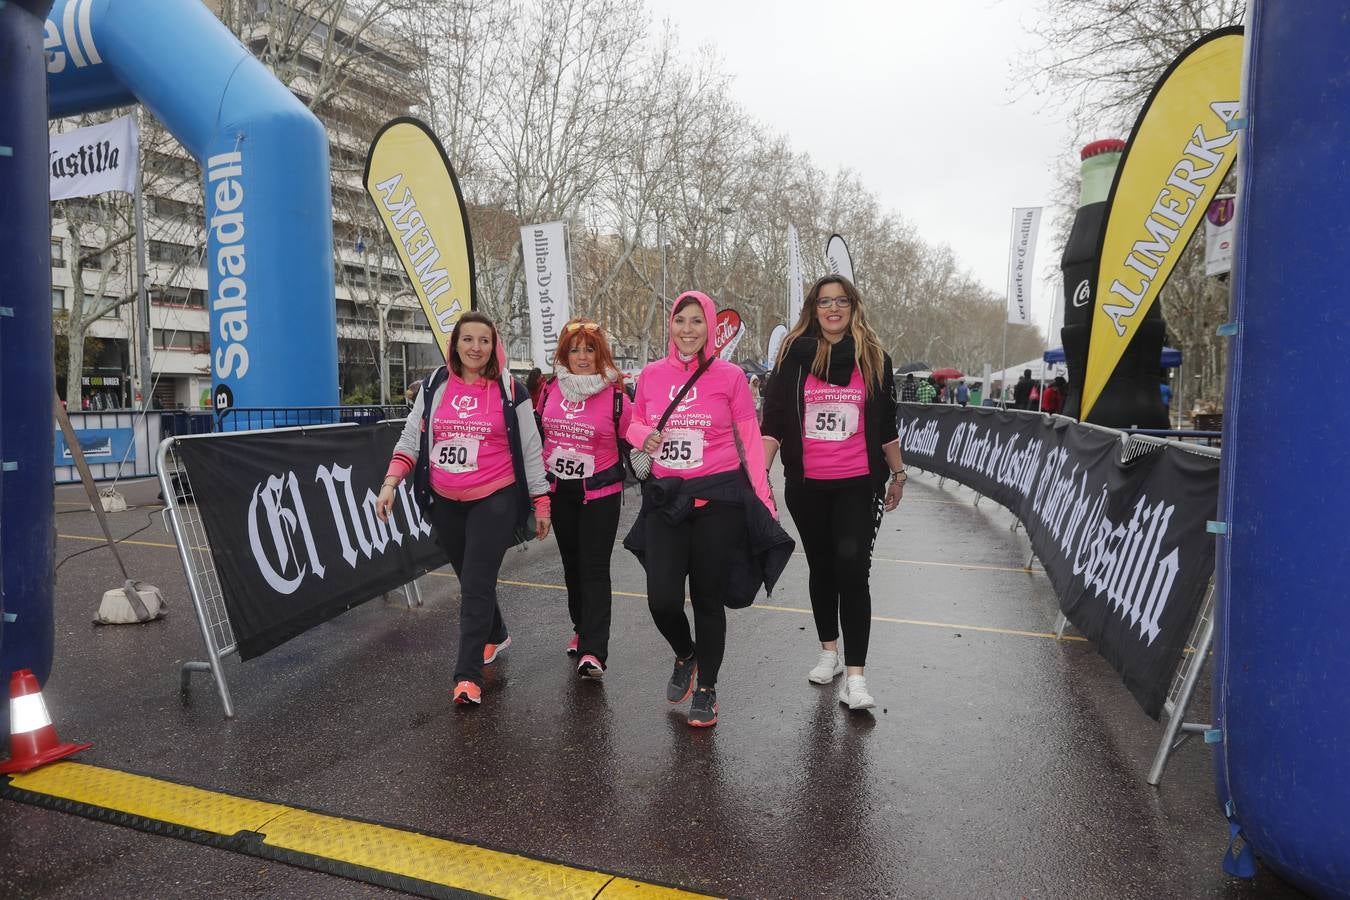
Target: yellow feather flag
{"type": "Point", "coordinates": [1178, 154]}
{"type": "Point", "coordinates": [419, 200]}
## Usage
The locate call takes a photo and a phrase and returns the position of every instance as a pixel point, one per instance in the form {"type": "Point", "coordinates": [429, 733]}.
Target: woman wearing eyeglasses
{"type": "Point", "coordinates": [830, 409]}
{"type": "Point", "coordinates": [472, 447]}
{"type": "Point", "coordinates": [584, 410]}
{"type": "Point", "coordinates": [706, 516]}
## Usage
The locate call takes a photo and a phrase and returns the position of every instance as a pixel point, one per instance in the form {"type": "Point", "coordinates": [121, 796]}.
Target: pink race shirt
{"type": "Point", "coordinates": [833, 443]}
{"type": "Point", "coordinates": [470, 455]}
{"type": "Point", "coordinates": [579, 436]}
{"type": "Point", "coordinates": [699, 436]}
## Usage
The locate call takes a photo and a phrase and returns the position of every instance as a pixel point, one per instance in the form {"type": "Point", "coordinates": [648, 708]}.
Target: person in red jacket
{"type": "Point", "coordinates": [1052, 399]}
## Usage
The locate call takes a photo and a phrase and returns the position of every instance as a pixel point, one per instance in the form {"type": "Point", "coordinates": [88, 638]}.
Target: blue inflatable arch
{"type": "Point", "coordinates": [264, 159]}
{"type": "Point", "coordinates": [269, 253]}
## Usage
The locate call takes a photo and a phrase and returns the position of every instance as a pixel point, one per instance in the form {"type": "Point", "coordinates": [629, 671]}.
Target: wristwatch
{"type": "Point", "coordinates": [899, 476]}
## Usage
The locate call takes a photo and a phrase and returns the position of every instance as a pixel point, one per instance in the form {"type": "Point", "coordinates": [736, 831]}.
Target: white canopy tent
{"type": "Point", "coordinates": [1040, 371]}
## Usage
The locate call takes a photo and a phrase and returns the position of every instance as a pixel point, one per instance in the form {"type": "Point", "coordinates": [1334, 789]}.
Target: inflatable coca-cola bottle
{"type": "Point", "coordinates": [1132, 396]}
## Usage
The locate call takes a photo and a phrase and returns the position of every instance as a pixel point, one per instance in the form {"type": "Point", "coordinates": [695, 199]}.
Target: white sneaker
{"type": "Point", "coordinates": [854, 693]}
{"type": "Point", "coordinates": [831, 665]}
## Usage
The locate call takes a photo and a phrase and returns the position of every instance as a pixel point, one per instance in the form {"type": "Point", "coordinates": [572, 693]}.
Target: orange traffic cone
{"type": "Point", "coordinates": [32, 737]}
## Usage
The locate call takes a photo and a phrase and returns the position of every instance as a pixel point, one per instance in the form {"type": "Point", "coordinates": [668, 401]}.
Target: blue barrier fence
{"type": "Point", "coordinates": [120, 443]}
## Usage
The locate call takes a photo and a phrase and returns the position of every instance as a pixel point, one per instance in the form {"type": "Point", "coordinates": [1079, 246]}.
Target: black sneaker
{"type": "Point", "coordinates": [703, 711]}
{"type": "Point", "coordinates": [682, 680]}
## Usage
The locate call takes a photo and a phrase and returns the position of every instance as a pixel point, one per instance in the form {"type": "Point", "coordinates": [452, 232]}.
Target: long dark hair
{"type": "Point", "coordinates": [492, 370]}
{"type": "Point", "coordinates": [867, 346]}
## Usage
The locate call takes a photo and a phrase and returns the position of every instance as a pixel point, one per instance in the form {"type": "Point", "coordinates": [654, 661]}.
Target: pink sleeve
{"type": "Point", "coordinates": [399, 466]}
{"type": "Point", "coordinates": [638, 428]}
{"type": "Point", "coordinates": [751, 441]}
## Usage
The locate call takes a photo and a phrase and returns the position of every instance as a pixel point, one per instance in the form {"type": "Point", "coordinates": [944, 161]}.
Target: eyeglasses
{"type": "Point", "coordinates": [839, 302]}
{"type": "Point", "coordinates": [588, 327]}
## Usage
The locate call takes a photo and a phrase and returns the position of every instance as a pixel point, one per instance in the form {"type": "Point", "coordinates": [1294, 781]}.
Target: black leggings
{"type": "Point", "coordinates": [476, 534]}
{"type": "Point", "coordinates": [837, 526]}
{"type": "Point", "coordinates": [585, 533]}
{"type": "Point", "coordinates": [697, 548]}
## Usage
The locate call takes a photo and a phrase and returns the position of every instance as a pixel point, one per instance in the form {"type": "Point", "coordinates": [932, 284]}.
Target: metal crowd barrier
{"type": "Point", "coordinates": [253, 418]}
{"type": "Point", "coordinates": [183, 521]}
{"type": "Point", "coordinates": [1134, 444]}
{"type": "Point", "coordinates": [117, 443]}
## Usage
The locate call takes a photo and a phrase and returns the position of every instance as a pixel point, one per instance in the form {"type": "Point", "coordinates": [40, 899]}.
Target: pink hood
{"type": "Point", "coordinates": [709, 314]}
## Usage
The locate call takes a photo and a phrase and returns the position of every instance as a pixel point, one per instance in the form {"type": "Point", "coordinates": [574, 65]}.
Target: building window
{"type": "Point", "coordinates": [58, 299]}
{"type": "Point", "coordinates": [58, 254]}
{"type": "Point", "coordinates": [183, 341]}
{"type": "Point", "coordinates": [179, 297]}
{"type": "Point", "coordinates": [111, 312]}
{"type": "Point", "coordinates": [166, 252]}
{"type": "Point", "coordinates": [92, 258]}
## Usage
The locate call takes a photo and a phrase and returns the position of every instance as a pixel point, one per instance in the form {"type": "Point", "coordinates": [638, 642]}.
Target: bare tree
{"type": "Point", "coordinates": [1101, 58]}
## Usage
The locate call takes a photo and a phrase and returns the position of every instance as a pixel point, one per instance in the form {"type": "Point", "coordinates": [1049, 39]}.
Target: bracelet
{"type": "Point", "coordinates": [391, 482]}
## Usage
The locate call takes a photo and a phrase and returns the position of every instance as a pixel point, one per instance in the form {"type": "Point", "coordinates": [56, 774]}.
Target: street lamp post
{"type": "Point", "coordinates": [382, 306]}
{"type": "Point", "coordinates": [382, 310]}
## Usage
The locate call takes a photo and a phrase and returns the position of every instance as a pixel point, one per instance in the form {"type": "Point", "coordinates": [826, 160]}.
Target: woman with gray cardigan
{"type": "Point", "coordinates": [473, 448]}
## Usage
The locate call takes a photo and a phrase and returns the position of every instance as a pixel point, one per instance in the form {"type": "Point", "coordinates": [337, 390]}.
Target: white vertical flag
{"type": "Point", "coordinates": [544, 251]}
{"type": "Point", "coordinates": [1026, 222]}
{"type": "Point", "coordinates": [837, 258]}
{"type": "Point", "coordinates": [1220, 227]}
{"type": "Point", "coordinates": [92, 160]}
{"type": "Point", "coordinates": [795, 296]}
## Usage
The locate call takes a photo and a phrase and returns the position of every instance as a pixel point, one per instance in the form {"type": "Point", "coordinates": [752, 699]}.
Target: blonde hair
{"type": "Point", "coordinates": [871, 356]}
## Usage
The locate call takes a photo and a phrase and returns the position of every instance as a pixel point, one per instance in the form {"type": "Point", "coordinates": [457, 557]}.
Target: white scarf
{"type": "Point", "coordinates": [578, 388]}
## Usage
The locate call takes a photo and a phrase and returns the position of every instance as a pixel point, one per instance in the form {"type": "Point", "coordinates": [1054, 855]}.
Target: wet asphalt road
{"type": "Point", "coordinates": [996, 764]}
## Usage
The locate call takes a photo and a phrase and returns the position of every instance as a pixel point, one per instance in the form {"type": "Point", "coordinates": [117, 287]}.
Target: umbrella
{"type": "Point", "coordinates": [945, 373]}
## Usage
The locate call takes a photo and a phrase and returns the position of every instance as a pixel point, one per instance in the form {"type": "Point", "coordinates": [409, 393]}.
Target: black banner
{"type": "Point", "coordinates": [1124, 544]}
{"type": "Point", "coordinates": [290, 516]}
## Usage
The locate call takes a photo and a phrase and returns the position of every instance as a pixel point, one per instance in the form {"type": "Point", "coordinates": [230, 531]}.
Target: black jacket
{"type": "Point", "coordinates": [770, 546]}
{"type": "Point", "coordinates": [784, 406]}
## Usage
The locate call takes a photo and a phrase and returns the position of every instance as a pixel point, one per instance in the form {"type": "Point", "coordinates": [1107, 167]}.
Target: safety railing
{"type": "Point", "coordinates": [117, 443]}
{"type": "Point", "coordinates": [253, 418]}
{"type": "Point", "coordinates": [184, 523]}
{"type": "Point", "coordinates": [1136, 443]}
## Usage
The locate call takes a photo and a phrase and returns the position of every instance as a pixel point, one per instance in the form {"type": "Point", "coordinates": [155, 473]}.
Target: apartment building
{"type": "Point", "coordinates": [371, 295]}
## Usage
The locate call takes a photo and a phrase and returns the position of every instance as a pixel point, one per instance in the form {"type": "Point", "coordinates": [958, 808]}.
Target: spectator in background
{"type": "Point", "coordinates": [977, 395]}
{"type": "Point", "coordinates": [909, 391]}
{"type": "Point", "coordinates": [927, 390]}
{"type": "Point", "coordinates": [1052, 399]}
{"type": "Point", "coordinates": [1166, 392]}
{"type": "Point", "coordinates": [1022, 391]}
{"type": "Point", "coordinates": [962, 394]}
{"type": "Point", "coordinates": [534, 383]}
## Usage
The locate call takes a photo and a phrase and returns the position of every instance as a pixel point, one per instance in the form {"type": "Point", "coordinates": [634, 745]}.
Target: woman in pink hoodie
{"type": "Point", "coordinates": [584, 411]}
{"type": "Point", "coordinates": [705, 511]}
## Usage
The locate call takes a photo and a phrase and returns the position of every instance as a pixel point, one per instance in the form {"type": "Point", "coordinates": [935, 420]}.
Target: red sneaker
{"type": "Point", "coordinates": [492, 651]}
{"type": "Point", "coordinates": [468, 692]}
{"type": "Point", "coordinates": [574, 645]}
{"type": "Point", "coordinates": [590, 667]}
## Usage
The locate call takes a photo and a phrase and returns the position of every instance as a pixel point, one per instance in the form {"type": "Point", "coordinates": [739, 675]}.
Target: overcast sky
{"type": "Point", "coordinates": [933, 123]}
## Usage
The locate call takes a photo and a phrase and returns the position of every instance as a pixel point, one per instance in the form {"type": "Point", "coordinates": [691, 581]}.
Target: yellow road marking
{"type": "Point", "coordinates": [324, 840]}
{"type": "Point", "coordinates": [945, 565]}
{"type": "Point", "coordinates": [101, 540]}
{"type": "Point", "coordinates": [911, 562]}
{"type": "Point", "coordinates": [946, 626]}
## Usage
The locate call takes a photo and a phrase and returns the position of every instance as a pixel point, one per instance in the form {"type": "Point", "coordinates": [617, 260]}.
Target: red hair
{"type": "Point", "coordinates": [581, 330]}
